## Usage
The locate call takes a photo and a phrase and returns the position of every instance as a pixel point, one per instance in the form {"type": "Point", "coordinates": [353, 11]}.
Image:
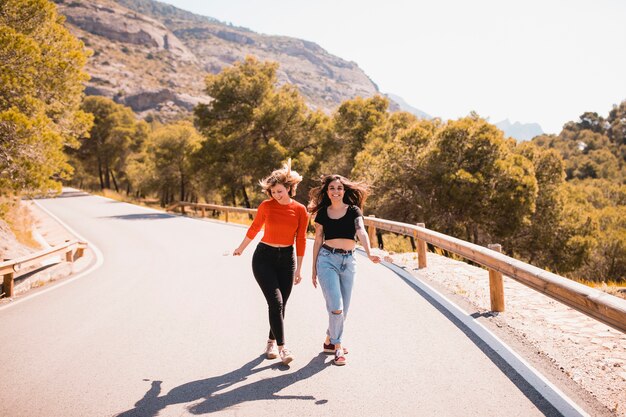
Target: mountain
{"type": "Point", "coordinates": [404, 106]}
{"type": "Point", "coordinates": [153, 57]}
{"type": "Point", "coordinates": [519, 131]}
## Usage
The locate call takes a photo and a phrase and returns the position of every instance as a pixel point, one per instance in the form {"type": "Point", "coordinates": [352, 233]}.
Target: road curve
{"type": "Point", "coordinates": [169, 326]}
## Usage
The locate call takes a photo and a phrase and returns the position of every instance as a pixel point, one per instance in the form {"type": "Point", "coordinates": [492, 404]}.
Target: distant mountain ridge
{"type": "Point", "coordinates": [154, 57]}
{"type": "Point", "coordinates": [519, 131]}
{"type": "Point", "coordinates": [404, 106]}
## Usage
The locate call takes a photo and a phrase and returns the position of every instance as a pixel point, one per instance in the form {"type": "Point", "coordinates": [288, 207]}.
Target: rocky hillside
{"type": "Point", "coordinates": [153, 57]}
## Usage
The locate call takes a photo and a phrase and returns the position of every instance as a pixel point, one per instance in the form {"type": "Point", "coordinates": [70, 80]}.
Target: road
{"type": "Point", "coordinates": [169, 325]}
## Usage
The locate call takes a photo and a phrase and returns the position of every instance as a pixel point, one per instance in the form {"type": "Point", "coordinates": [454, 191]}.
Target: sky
{"type": "Point", "coordinates": [532, 61]}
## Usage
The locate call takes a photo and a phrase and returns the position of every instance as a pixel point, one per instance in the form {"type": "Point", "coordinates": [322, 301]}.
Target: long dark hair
{"type": "Point", "coordinates": [355, 193]}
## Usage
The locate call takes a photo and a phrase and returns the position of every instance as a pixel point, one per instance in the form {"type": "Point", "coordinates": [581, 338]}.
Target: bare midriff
{"type": "Point", "coordinates": [274, 245]}
{"type": "Point", "coordinates": [346, 244]}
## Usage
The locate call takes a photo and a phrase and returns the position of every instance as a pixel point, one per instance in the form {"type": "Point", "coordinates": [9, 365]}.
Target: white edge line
{"type": "Point", "coordinates": [96, 265]}
{"type": "Point", "coordinates": [549, 391]}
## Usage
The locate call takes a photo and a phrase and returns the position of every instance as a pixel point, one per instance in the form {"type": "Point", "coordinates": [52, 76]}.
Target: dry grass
{"type": "Point", "coordinates": [19, 219]}
{"type": "Point", "coordinates": [397, 243]}
{"type": "Point", "coordinates": [38, 283]}
{"type": "Point", "coordinates": [615, 288]}
{"type": "Point", "coordinates": [113, 195]}
{"type": "Point", "coordinates": [239, 218]}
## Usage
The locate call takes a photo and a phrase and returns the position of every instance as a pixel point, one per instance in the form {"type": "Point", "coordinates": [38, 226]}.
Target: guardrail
{"type": "Point", "coordinates": [603, 307]}
{"type": "Point", "coordinates": [204, 207]}
{"type": "Point", "coordinates": [13, 268]}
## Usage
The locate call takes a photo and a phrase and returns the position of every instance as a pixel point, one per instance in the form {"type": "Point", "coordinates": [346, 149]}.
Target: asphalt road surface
{"type": "Point", "coordinates": [169, 325]}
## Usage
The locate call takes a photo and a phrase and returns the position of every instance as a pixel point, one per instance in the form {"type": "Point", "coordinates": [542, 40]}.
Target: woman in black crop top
{"type": "Point", "coordinates": [336, 205]}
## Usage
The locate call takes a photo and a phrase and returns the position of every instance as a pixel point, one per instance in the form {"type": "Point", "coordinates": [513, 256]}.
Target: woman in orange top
{"type": "Point", "coordinates": [273, 264]}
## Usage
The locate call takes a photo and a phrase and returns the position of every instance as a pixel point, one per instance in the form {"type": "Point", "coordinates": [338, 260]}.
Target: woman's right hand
{"type": "Point", "coordinates": [314, 279]}
{"type": "Point", "coordinates": [238, 251]}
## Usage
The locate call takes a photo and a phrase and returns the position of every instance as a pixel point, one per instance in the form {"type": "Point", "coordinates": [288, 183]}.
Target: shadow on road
{"type": "Point", "coordinates": [266, 389]}
{"type": "Point", "coordinates": [142, 216]}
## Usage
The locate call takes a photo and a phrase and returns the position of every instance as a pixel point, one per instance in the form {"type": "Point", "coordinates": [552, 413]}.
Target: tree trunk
{"type": "Point", "coordinates": [246, 200]}
{"type": "Point", "coordinates": [117, 190]}
{"type": "Point", "coordinates": [100, 174]}
{"type": "Point", "coordinates": [233, 196]}
{"type": "Point", "coordinates": [379, 236]}
{"type": "Point", "coordinates": [164, 196]}
{"type": "Point", "coordinates": [468, 232]}
{"type": "Point", "coordinates": [107, 176]}
{"type": "Point", "coordinates": [182, 187]}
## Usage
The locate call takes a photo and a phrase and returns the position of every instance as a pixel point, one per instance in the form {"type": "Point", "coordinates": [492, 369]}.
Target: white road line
{"type": "Point", "coordinates": [549, 391]}
{"type": "Point", "coordinates": [96, 265]}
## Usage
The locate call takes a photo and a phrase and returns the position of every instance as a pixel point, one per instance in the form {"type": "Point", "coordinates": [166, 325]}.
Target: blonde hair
{"type": "Point", "coordinates": [285, 176]}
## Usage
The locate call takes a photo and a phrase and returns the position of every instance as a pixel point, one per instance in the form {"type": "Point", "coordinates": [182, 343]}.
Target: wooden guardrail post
{"type": "Point", "coordinates": [226, 216]}
{"type": "Point", "coordinates": [10, 269]}
{"type": "Point", "coordinates": [421, 250]}
{"type": "Point", "coordinates": [496, 284]}
{"type": "Point", "coordinates": [7, 285]}
{"type": "Point", "coordinates": [371, 231]}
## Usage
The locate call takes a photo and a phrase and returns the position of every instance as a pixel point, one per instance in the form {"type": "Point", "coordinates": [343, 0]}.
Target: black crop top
{"type": "Point", "coordinates": [341, 228]}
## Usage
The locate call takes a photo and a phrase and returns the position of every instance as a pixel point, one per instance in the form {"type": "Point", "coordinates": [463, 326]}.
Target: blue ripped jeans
{"type": "Point", "coordinates": [335, 274]}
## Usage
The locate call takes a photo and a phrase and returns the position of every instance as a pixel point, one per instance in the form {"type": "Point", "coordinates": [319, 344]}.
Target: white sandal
{"type": "Point", "coordinates": [271, 352]}
{"type": "Point", "coordinates": [286, 356]}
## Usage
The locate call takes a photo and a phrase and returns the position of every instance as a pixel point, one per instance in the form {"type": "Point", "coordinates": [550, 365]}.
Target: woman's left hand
{"type": "Point", "coordinates": [297, 278]}
{"type": "Point", "coordinates": [375, 258]}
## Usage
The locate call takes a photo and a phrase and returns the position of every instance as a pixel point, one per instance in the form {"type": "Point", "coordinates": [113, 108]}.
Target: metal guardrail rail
{"type": "Point", "coordinates": [601, 306]}
{"type": "Point", "coordinates": [604, 307]}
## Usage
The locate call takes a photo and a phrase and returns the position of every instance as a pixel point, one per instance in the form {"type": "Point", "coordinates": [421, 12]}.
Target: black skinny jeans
{"type": "Point", "coordinates": [274, 269]}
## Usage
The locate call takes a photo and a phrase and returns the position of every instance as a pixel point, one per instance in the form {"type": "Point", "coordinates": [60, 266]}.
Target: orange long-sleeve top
{"type": "Point", "coordinates": [283, 223]}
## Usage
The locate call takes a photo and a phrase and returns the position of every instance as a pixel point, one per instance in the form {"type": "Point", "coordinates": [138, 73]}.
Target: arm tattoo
{"type": "Point", "coordinates": [358, 223]}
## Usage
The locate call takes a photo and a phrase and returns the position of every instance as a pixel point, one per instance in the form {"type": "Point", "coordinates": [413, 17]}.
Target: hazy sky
{"type": "Point", "coordinates": [544, 61]}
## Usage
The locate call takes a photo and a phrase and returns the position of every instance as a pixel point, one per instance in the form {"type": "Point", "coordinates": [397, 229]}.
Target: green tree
{"type": "Point", "coordinates": [586, 152]}
{"type": "Point", "coordinates": [172, 149]}
{"type": "Point", "coordinates": [354, 123]}
{"type": "Point", "coordinates": [608, 260]}
{"type": "Point", "coordinates": [115, 136]}
{"type": "Point", "coordinates": [588, 121]}
{"type": "Point", "coordinates": [459, 177]}
{"type": "Point", "coordinates": [617, 124]}
{"type": "Point", "coordinates": [541, 240]}
{"type": "Point", "coordinates": [394, 166]}
{"type": "Point", "coordinates": [481, 188]}
{"type": "Point", "coordinates": [41, 85]}
{"type": "Point", "coordinates": [596, 210]}
{"type": "Point", "coordinates": [251, 127]}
